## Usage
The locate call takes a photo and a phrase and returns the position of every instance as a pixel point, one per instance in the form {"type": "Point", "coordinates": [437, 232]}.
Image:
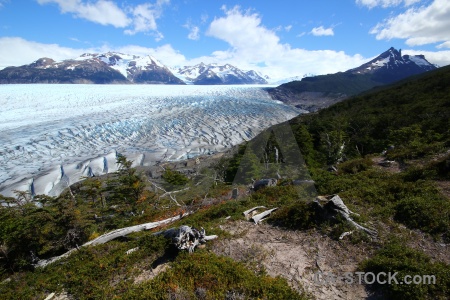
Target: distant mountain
{"type": "Point", "coordinates": [288, 79]}
{"type": "Point", "coordinates": [103, 68]}
{"type": "Point", "coordinates": [312, 93]}
{"type": "Point", "coordinates": [218, 74]}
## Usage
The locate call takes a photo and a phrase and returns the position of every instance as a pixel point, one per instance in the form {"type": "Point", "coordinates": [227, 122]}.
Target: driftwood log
{"type": "Point", "coordinates": [110, 236]}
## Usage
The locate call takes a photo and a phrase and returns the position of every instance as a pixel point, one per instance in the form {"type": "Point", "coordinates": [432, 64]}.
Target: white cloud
{"type": "Point", "coordinates": [102, 12]}
{"type": "Point", "coordinates": [194, 31]}
{"type": "Point", "coordinates": [321, 31]}
{"type": "Point", "coordinates": [385, 3]}
{"type": "Point", "coordinates": [141, 18]}
{"type": "Point", "coordinates": [419, 26]}
{"type": "Point", "coordinates": [25, 52]}
{"type": "Point", "coordinates": [144, 18]}
{"type": "Point", "coordinates": [253, 46]}
{"type": "Point", "coordinates": [444, 45]}
{"type": "Point", "coordinates": [288, 28]}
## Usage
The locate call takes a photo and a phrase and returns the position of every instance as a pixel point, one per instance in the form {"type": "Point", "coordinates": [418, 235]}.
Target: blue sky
{"type": "Point", "coordinates": [278, 38]}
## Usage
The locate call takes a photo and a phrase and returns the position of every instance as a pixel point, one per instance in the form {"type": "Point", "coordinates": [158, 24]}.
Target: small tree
{"type": "Point", "coordinates": [129, 185]}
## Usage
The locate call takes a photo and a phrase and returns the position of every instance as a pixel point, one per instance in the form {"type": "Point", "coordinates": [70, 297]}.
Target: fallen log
{"type": "Point", "coordinates": [247, 212]}
{"type": "Point", "coordinates": [258, 218]}
{"type": "Point", "coordinates": [110, 236]}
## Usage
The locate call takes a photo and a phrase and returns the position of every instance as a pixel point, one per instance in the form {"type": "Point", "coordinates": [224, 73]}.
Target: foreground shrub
{"type": "Point", "coordinates": [395, 257]}
{"type": "Point", "coordinates": [426, 213]}
{"type": "Point", "coordinates": [204, 275]}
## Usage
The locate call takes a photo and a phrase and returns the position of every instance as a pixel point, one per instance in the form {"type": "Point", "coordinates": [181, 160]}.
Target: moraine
{"type": "Point", "coordinates": [52, 135]}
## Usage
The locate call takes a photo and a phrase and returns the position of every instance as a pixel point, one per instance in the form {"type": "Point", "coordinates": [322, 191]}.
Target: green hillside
{"type": "Point", "coordinates": [340, 83]}
{"type": "Point", "coordinates": [413, 116]}
{"type": "Point", "coordinates": [406, 200]}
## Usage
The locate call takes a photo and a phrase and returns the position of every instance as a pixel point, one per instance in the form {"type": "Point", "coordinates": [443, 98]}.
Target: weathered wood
{"type": "Point", "coordinates": [110, 236]}
{"type": "Point", "coordinates": [186, 237]}
{"type": "Point", "coordinates": [247, 212]}
{"type": "Point", "coordinates": [345, 234]}
{"type": "Point", "coordinates": [335, 205]}
{"type": "Point", "coordinates": [257, 218]}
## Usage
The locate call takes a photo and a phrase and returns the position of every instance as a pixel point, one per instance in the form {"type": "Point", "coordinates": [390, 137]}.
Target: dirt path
{"type": "Point", "coordinates": [296, 256]}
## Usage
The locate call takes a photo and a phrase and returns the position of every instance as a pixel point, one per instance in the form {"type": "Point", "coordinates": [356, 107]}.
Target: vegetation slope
{"type": "Point", "coordinates": [341, 145]}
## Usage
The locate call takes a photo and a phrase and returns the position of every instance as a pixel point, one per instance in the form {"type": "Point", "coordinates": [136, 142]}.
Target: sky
{"type": "Point", "coordinates": [277, 38]}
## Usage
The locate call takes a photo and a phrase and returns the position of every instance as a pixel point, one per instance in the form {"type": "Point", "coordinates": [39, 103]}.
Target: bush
{"type": "Point", "coordinates": [428, 214]}
{"type": "Point", "coordinates": [214, 277]}
{"type": "Point", "coordinates": [174, 177]}
{"type": "Point", "coordinates": [355, 166]}
{"type": "Point", "coordinates": [395, 257]}
{"type": "Point", "coordinates": [300, 215]}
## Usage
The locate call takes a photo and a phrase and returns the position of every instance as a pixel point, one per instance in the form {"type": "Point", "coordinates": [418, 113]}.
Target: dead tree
{"type": "Point", "coordinates": [186, 237]}
{"type": "Point", "coordinates": [110, 236]}
{"type": "Point", "coordinates": [333, 206]}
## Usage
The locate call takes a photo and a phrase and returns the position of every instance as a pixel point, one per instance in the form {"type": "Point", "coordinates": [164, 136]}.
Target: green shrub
{"type": "Point", "coordinates": [215, 277]}
{"type": "Point", "coordinates": [396, 257]}
{"type": "Point", "coordinates": [174, 177]}
{"type": "Point", "coordinates": [355, 165]}
{"type": "Point", "coordinates": [425, 213]}
{"type": "Point", "coordinates": [300, 215]}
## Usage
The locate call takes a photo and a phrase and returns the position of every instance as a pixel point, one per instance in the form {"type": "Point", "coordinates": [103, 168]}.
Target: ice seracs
{"type": "Point", "coordinates": [73, 131]}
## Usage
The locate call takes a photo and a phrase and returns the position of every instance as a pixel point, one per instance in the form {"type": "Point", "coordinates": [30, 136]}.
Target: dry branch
{"type": "Point", "coordinates": [110, 236]}
{"type": "Point", "coordinates": [258, 218]}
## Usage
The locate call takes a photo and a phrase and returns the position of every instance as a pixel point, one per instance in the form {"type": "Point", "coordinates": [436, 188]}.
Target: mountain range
{"type": "Point", "coordinates": [313, 93]}
{"type": "Point", "coordinates": [218, 74]}
{"type": "Point", "coordinates": [122, 68]}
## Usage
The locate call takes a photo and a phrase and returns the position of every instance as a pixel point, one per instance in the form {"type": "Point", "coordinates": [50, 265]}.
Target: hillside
{"type": "Point", "coordinates": [402, 195]}
{"type": "Point", "coordinates": [321, 91]}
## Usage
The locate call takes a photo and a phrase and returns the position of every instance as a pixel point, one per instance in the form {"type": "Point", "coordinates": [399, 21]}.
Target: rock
{"type": "Point", "coordinates": [262, 183]}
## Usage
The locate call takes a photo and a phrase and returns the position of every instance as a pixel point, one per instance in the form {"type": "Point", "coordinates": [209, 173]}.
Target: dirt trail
{"type": "Point", "coordinates": [296, 256]}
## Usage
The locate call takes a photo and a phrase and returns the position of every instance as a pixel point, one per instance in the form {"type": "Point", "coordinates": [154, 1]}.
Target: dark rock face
{"type": "Point", "coordinates": [83, 73]}
{"type": "Point", "coordinates": [91, 68]}
{"type": "Point", "coordinates": [313, 93]}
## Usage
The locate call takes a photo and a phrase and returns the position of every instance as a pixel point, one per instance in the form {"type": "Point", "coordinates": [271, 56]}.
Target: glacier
{"type": "Point", "coordinates": [53, 135]}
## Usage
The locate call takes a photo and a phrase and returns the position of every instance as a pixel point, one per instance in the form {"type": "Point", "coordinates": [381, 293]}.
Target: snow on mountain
{"type": "Point", "coordinates": [392, 59]}
{"type": "Point", "coordinates": [135, 68]}
{"type": "Point", "coordinates": [108, 67]}
{"type": "Point", "coordinates": [218, 74]}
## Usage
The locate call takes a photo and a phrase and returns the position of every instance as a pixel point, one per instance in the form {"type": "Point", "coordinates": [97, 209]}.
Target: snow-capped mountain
{"type": "Point", "coordinates": [312, 93]}
{"type": "Point", "coordinates": [390, 65]}
{"type": "Point", "coordinates": [137, 69]}
{"type": "Point", "coordinates": [218, 74]}
{"type": "Point", "coordinates": [108, 67]}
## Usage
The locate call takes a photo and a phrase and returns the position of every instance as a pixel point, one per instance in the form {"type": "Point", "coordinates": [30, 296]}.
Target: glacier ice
{"type": "Point", "coordinates": [52, 135]}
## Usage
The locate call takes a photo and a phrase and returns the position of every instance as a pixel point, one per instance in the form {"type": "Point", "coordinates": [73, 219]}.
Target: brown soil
{"type": "Point", "coordinates": [296, 256]}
